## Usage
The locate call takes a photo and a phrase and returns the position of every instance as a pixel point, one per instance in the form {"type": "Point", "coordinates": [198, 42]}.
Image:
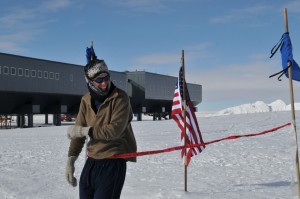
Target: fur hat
{"type": "Point", "coordinates": [96, 67]}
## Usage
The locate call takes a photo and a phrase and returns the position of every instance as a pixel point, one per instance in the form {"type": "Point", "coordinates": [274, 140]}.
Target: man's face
{"type": "Point", "coordinates": [101, 81]}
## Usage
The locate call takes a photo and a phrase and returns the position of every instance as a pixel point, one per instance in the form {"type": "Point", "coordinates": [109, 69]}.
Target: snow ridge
{"type": "Point", "coordinates": [256, 107]}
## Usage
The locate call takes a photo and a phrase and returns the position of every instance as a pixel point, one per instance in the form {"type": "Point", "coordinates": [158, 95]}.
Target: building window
{"type": "Point", "coordinates": [33, 73]}
{"type": "Point", "coordinates": [40, 74]}
{"type": "Point", "coordinates": [0, 70]}
{"type": "Point", "coordinates": [56, 76]}
{"type": "Point", "coordinates": [13, 71]}
{"type": "Point", "coordinates": [71, 77]}
{"type": "Point", "coordinates": [5, 70]}
{"type": "Point", "coordinates": [51, 75]}
{"type": "Point", "coordinates": [26, 72]}
{"type": "Point", "coordinates": [46, 74]}
{"type": "Point", "coordinates": [20, 71]}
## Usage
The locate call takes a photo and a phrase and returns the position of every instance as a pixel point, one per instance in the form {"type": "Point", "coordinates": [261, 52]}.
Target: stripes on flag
{"type": "Point", "coordinates": [193, 134]}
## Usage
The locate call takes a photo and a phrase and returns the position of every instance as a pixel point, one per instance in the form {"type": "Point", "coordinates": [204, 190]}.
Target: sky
{"type": "Point", "coordinates": [227, 44]}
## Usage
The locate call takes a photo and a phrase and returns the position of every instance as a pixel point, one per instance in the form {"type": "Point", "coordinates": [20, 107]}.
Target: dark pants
{"type": "Point", "coordinates": [102, 179]}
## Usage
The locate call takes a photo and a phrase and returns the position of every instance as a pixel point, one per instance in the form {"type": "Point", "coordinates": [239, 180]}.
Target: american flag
{"type": "Point", "coordinates": [193, 134]}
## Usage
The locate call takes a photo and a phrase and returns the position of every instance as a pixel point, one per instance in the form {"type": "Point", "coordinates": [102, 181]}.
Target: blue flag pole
{"type": "Point", "coordinates": [87, 138]}
{"type": "Point", "coordinates": [292, 104]}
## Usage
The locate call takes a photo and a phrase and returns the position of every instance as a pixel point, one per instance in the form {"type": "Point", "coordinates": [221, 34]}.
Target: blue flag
{"type": "Point", "coordinates": [287, 59]}
{"type": "Point", "coordinates": [90, 54]}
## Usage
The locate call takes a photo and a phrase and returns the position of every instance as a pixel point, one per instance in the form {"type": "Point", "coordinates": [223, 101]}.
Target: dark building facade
{"type": "Point", "coordinates": [35, 86]}
{"type": "Point", "coordinates": [153, 93]}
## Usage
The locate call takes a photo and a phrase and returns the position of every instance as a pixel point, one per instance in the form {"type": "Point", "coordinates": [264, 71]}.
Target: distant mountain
{"type": "Point", "coordinates": [256, 107]}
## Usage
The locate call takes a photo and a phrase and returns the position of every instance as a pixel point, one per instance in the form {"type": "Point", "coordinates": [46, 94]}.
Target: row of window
{"type": "Point", "coordinates": [28, 73]}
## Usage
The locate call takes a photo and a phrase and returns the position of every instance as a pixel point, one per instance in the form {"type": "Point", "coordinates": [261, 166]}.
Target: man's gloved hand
{"type": "Point", "coordinates": [76, 131]}
{"type": "Point", "coordinates": [70, 169]}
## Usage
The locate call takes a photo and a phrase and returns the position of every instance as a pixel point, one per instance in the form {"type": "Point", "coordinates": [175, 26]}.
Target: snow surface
{"type": "Point", "coordinates": [32, 161]}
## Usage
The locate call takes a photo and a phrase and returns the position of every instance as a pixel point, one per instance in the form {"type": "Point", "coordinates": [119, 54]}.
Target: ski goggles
{"type": "Point", "coordinates": [101, 79]}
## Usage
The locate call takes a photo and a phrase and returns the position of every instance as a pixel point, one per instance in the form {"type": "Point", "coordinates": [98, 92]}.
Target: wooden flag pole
{"type": "Point", "coordinates": [184, 113]}
{"type": "Point", "coordinates": [292, 103]}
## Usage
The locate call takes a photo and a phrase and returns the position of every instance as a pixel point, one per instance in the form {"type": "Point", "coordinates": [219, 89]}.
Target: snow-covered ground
{"type": "Point", "coordinates": [32, 161]}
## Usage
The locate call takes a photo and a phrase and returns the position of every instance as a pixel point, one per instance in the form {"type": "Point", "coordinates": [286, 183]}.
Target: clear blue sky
{"type": "Point", "coordinates": [227, 43]}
